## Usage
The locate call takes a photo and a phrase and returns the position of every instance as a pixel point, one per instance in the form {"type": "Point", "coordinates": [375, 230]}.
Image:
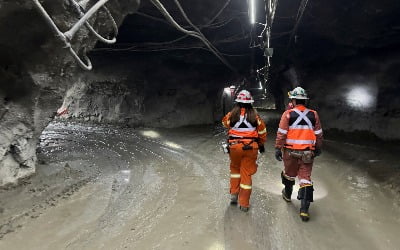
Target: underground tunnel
{"type": "Point", "coordinates": [111, 134]}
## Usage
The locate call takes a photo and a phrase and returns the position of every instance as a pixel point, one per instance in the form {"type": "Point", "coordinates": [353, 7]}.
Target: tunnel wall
{"type": "Point", "coordinates": [358, 94]}
{"type": "Point", "coordinates": [35, 72]}
{"type": "Point", "coordinates": [126, 93]}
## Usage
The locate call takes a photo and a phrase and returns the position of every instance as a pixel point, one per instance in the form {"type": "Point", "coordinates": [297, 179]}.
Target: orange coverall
{"type": "Point", "coordinates": [295, 166]}
{"type": "Point", "coordinates": [243, 162]}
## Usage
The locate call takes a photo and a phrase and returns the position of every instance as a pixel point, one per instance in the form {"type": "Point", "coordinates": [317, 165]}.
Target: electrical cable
{"type": "Point", "coordinates": [166, 14]}
{"type": "Point", "coordinates": [155, 46]}
{"type": "Point", "coordinates": [174, 48]}
{"type": "Point", "coordinates": [300, 13]}
{"type": "Point", "coordinates": [215, 50]}
{"type": "Point", "coordinates": [209, 24]}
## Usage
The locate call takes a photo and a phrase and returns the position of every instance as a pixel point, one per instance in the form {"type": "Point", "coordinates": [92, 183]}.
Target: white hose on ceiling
{"type": "Point", "coordinates": [91, 29]}
{"type": "Point", "coordinates": [66, 37]}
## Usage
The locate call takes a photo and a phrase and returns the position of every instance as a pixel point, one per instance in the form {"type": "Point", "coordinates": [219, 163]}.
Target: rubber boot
{"type": "Point", "coordinates": [288, 189]}
{"type": "Point", "coordinates": [305, 196]}
{"type": "Point", "coordinates": [287, 193]}
{"type": "Point", "coordinates": [305, 205]}
{"type": "Point", "coordinates": [244, 209]}
{"type": "Point", "coordinates": [234, 199]}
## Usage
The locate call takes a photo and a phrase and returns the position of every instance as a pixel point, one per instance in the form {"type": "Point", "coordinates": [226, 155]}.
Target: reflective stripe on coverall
{"type": "Point", "coordinates": [299, 129]}
{"type": "Point", "coordinates": [243, 162]}
{"type": "Point", "coordinates": [243, 166]}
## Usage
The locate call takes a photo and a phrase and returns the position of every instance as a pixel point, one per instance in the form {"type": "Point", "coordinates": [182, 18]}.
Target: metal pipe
{"type": "Point", "coordinates": [71, 32]}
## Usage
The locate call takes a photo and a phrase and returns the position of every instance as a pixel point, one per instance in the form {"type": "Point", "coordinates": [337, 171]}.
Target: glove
{"type": "Point", "coordinates": [261, 148]}
{"type": "Point", "coordinates": [278, 154]}
{"type": "Point", "coordinates": [317, 152]}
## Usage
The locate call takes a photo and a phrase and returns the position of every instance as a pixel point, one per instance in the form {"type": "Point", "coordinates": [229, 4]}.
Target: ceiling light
{"type": "Point", "coordinates": [252, 11]}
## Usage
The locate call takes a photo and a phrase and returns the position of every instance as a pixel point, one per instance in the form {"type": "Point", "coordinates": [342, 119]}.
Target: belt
{"type": "Point", "coordinates": [243, 138]}
{"type": "Point", "coordinates": [297, 153]}
{"type": "Point", "coordinates": [296, 150]}
{"type": "Point", "coordinates": [237, 141]}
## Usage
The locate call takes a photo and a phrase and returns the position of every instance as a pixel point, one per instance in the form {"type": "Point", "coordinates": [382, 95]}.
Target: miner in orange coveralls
{"type": "Point", "coordinates": [246, 136]}
{"type": "Point", "coordinates": [298, 141]}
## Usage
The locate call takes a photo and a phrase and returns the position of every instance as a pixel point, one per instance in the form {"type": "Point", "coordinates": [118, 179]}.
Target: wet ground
{"type": "Point", "coordinates": [122, 188]}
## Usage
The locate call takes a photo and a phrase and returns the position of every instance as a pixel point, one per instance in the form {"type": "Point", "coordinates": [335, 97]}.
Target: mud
{"type": "Point", "coordinates": [107, 187]}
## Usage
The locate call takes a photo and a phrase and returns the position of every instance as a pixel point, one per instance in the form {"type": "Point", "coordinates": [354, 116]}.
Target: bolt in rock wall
{"type": "Point", "coordinates": [35, 72]}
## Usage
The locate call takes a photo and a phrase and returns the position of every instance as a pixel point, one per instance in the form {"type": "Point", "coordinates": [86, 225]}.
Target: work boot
{"type": "Point", "coordinates": [286, 196]}
{"type": "Point", "coordinates": [234, 199]}
{"type": "Point", "coordinates": [287, 191]}
{"type": "Point", "coordinates": [244, 209]}
{"type": "Point", "coordinates": [305, 196]}
{"type": "Point", "coordinates": [305, 205]}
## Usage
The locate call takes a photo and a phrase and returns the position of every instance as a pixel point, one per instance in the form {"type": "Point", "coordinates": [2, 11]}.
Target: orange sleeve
{"type": "Point", "coordinates": [262, 130]}
{"type": "Point", "coordinates": [318, 131]}
{"type": "Point", "coordinates": [283, 129]}
{"type": "Point", "coordinates": [227, 120]}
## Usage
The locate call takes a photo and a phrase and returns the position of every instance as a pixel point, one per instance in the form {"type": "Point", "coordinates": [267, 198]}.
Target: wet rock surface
{"type": "Point", "coordinates": [108, 187]}
{"type": "Point", "coordinates": [35, 72]}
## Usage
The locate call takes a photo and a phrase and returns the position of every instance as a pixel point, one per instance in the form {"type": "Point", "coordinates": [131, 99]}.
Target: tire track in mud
{"type": "Point", "coordinates": [44, 191]}
{"type": "Point", "coordinates": [172, 192]}
{"type": "Point", "coordinates": [13, 222]}
{"type": "Point", "coordinates": [126, 191]}
{"type": "Point", "coordinates": [241, 230]}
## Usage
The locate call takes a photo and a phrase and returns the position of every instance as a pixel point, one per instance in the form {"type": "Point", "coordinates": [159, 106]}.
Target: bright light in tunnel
{"type": "Point", "coordinates": [361, 97]}
{"type": "Point", "coordinates": [229, 90]}
{"type": "Point", "coordinates": [252, 12]}
{"type": "Point", "coordinates": [151, 134]}
{"type": "Point", "coordinates": [173, 145]}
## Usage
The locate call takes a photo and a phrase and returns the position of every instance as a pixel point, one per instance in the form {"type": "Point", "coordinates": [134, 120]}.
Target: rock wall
{"type": "Point", "coordinates": [103, 97]}
{"type": "Point", "coordinates": [35, 72]}
{"type": "Point", "coordinates": [358, 93]}
{"type": "Point", "coordinates": [124, 92]}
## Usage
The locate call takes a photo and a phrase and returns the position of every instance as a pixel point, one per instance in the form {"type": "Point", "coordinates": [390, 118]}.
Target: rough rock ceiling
{"type": "Point", "coordinates": [331, 29]}
{"type": "Point", "coordinates": [328, 29]}
{"type": "Point", "coordinates": [148, 32]}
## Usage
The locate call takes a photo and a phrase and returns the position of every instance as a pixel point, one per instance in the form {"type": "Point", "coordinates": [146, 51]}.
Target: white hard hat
{"type": "Point", "coordinates": [298, 93]}
{"type": "Point", "coordinates": [244, 96]}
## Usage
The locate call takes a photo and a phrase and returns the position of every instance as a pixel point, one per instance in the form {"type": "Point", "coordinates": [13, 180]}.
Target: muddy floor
{"type": "Point", "coordinates": [122, 188]}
